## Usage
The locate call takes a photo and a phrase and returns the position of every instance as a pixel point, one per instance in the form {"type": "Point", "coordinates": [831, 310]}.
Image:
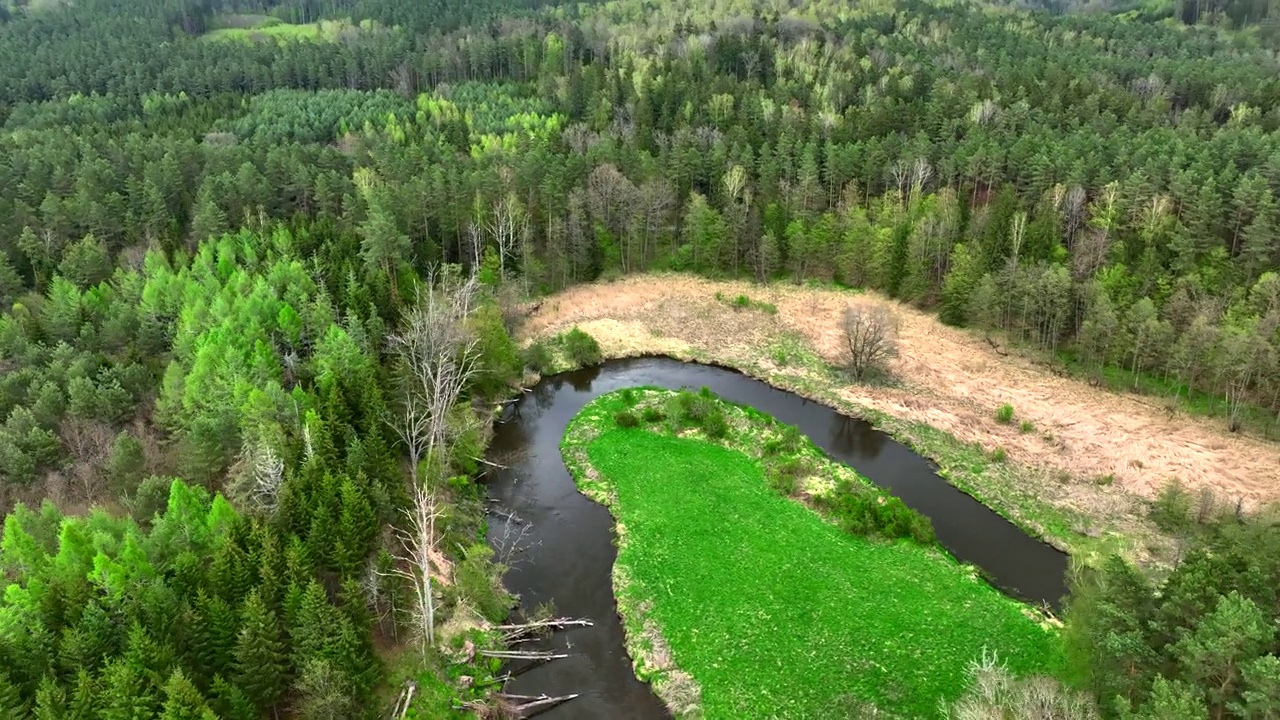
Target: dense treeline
{"type": "Point", "coordinates": [245, 368]}
{"type": "Point", "coordinates": [1203, 642]}
{"type": "Point", "coordinates": [193, 612]}
{"type": "Point", "coordinates": [1100, 188]}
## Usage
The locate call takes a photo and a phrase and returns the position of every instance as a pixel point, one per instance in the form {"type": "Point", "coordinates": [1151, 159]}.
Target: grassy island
{"type": "Point", "coordinates": [758, 578]}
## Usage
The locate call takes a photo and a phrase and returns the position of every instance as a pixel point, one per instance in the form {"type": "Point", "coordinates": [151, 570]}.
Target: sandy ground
{"type": "Point", "coordinates": [948, 378]}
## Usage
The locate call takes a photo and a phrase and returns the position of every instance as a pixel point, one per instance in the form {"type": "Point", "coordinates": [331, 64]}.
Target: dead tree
{"type": "Point", "coordinates": [421, 561]}
{"type": "Point", "coordinates": [871, 336]}
{"type": "Point", "coordinates": [437, 356]}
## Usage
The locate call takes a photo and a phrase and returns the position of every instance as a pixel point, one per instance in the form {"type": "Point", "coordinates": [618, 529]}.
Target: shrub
{"type": "Point", "coordinates": [788, 442]}
{"type": "Point", "coordinates": [1004, 414]}
{"type": "Point", "coordinates": [582, 349]}
{"type": "Point", "coordinates": [626, 419]}
{"type": "Point", "coordinates": [864, 511]}
{"type": "Point", "coordinates": [693, 410]}
{"type": "Point", "coordinates": [715, 424]}
{"type": "Point", "coordinates": [1026, 427]}
{"type": "Point", "coordinates": [998, 455]}
{"type": "Point", "coordinates": [742, 301]}
{"type": "Point", "coordinates": [652, 414]}
{"type": "Point", "coordinates": [629, 396]}
{"type": "Point", "coordinates": [537, 357]}
{"type": "Point", "coordinates": [1171, 510]}
{"type": "Point", "coordinates": [784, 475]}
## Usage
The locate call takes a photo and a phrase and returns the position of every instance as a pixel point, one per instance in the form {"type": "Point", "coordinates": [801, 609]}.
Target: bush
{"type": "Point", "coordinates": [628, 396]}
{"type": "Point", "coordinates": [626, 419]}
{"type": "Point", "coordinates": [582, 349]}
{"type": "Point", "coordinates": [1004, 414]}
{"type": "Point", "coordinates": [652, 415]}
{"type": "Point", "coordinates": [784, 476]}
{"type": "Point", "coordinates": [1171, 510]}
{"type": "Point", "coordinates": [715, 425]}
{"type": "Point", "coordinates": [693, 410]}
{"type": "Point", "coordinates": [864, 511]}
{"type": "Point", "coordinates": [537, 357]}
{"type": "Point", "coordinates": [787, 443]}
{"type": "Point", "coordinates": [998, 455]}
{"type": "Point", "coordinates": [1026, 427]}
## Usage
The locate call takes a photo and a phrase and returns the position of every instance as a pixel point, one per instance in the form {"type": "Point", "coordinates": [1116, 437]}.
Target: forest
{"type": "Point", "coordinates": [228, 261]}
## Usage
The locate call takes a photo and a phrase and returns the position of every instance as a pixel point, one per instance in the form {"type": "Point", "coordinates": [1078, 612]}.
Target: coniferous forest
{"type": "Point", "coordinates": [221, 221]}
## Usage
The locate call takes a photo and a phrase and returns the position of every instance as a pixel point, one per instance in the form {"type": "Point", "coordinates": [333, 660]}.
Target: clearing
{"type": "Point", "coordinates": [260, 28]}
{"type": "Point", "coordinates": [772, 610]}
{"type": "Point", "coordinates": [1077, 478]}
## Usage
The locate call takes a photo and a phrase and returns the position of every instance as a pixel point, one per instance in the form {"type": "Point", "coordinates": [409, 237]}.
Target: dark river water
{"type": "Point", "coordinates": [569, 550]}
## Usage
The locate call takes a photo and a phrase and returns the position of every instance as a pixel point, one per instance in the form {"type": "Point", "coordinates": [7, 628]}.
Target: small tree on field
{"type": "Point", "coordinates": [871, 335]}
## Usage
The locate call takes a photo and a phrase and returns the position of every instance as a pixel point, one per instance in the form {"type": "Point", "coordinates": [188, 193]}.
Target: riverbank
{"type": "Point", "coordinates": [1077, 466]}
{"type": "Point", "coordinates": [718, 502]}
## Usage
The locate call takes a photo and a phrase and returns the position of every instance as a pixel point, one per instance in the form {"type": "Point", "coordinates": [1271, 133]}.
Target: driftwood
{"type": "Point", "coordinates": [526, 706]}
{"type": "Point", "coordinates": [404, 700]}
{"type": "Point", "coordinates": [522, 654]}
{"type": "Point", "coordinates": [555, 624]}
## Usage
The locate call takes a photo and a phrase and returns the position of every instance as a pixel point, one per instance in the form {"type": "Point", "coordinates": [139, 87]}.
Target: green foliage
{"type": "Point", "coordinates": [581, 349]}
{"type": "Point", "coordinates": [538, 357]}
{"type": "Point", "coordinates": [672, 493]}
{"type": "Point", "coordinates": [1171, 510]}
{"type": "Point", "coordinates": [1004, 414]}
{"type": "Point", "coordinates": [479, 583]}
{"type": "Point", "coordinates": [501, 366]}
{"type": "Point", "coordinates": [626, 419]}
{"type": "Point", "coordinates": [1026, 426]}
{"type": "Point", "coordinates": [744, 302]}
{"type": "Point", "coordinates": [861, 511]}
{"type": "Point", "coordinates": [1200, 644]}
{"type": "Point", "coordinates": [652, 414]}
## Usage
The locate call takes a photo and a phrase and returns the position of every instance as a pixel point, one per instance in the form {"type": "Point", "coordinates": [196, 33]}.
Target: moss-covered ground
{"type": "Point", "coordinates": [742, 600]}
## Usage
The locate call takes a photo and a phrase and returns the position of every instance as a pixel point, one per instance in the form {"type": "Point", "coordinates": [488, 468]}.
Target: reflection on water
{"type": "Point", "coordinates": [856, 437]}
{"type": "Point", "coordinates": [569, 553]}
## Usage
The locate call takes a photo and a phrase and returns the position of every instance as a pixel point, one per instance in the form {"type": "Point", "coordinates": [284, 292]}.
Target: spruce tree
{"type": "Point", "coordinates": [260, 666]}
{"type": "Point", "coordinates": [183, 701]}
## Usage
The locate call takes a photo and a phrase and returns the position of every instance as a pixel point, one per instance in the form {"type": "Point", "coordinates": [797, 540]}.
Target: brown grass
{"type": "Point", "coordinates": [948, 378]}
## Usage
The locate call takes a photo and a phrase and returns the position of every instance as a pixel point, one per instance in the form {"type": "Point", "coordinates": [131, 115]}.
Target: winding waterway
{"type": "Point", "coordinates": [568, 552]}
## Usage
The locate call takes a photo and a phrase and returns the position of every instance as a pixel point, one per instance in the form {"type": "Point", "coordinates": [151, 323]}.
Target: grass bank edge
{"type": "Point", "coordinates": [643, 637]}
{"type": "Point", "coordinates": [1007, 488]}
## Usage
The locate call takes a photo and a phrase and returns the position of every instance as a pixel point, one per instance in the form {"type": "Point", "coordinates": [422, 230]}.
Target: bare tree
{"type": "Point", "coordinates": [421, 562]}
{"type": "Point", "coordinates": [437, 356]}
{"type": "Point", "coordinates": [260, 474]}
{"type": "Point", "coordinates": [507, 224]}
{"type": "Point", "coordinates": [871, 335]}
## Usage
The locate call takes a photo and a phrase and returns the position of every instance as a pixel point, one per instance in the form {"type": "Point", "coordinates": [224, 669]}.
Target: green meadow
{"type": "Point", "coordinates": [773, 609]}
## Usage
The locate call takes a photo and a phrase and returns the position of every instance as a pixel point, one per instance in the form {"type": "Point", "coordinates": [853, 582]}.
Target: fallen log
{"type": "Point", "coordinates": [556, 623]}
{"type": "Point", "coordinates": [526, 706]}
{"type": "Point", "coordinates": [523, 654]}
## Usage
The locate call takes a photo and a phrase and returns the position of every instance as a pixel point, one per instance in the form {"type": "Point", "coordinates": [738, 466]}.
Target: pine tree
{"type": "Point", "coordinates": [230, 702]}
{"type": "Point", "coordinates": [127, 693]}
{"type": "Point", "coordinates": [357, 527]}
{"type": "Point", "coordinates": [51, 700]}
{"type": "Point", "coordinates": [12, 704]}
{"type": "Point", "coordinates": [10, 283]}
{"type": "Point", "coordinates": [259, 657]}
{"type": "Point", "coordinates": [183, 701]}
{"type": "Point", "coordinates": [208, 220]}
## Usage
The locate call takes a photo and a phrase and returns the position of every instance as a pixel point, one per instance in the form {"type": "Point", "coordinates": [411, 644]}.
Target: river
{"type": "Point", "coordinates": [568, 552]}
